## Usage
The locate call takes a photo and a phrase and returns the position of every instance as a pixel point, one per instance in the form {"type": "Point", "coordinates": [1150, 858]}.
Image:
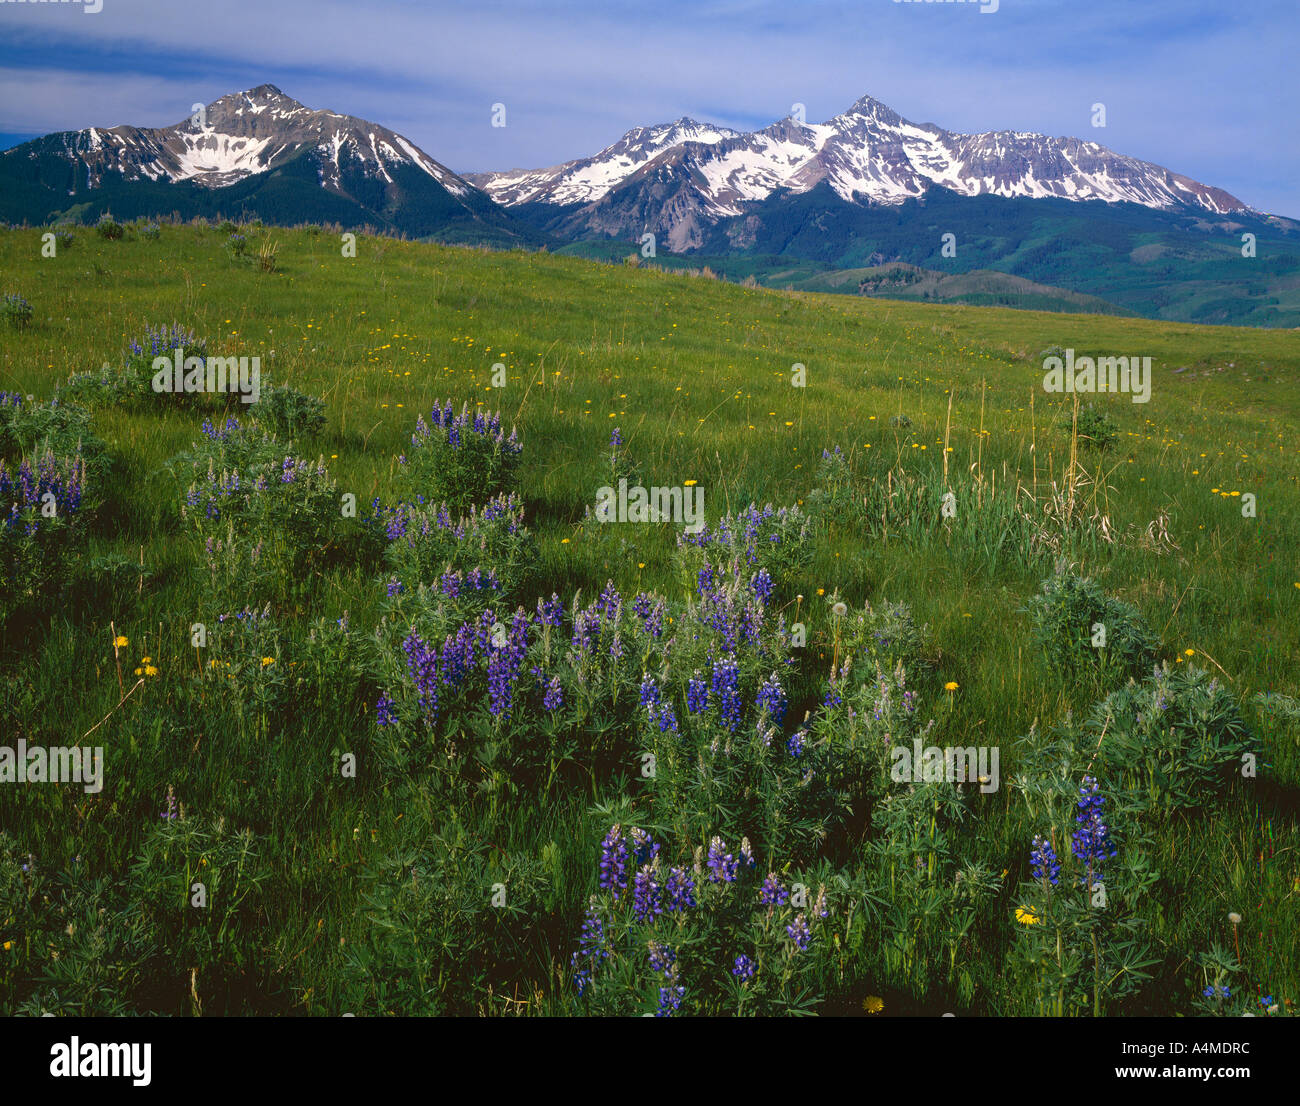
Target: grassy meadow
{"type": "Point", "coordinates": [451, 872]}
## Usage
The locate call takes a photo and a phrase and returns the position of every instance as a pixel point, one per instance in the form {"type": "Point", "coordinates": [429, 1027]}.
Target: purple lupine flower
{"type": "Point", "coordinates": [504, 665]}
{"type": "Point", "coordinates": [1090, 843]}
{"type": "Point", "coordinates": [610, 604]}
{"type": "Point", "coordinates": [422, 664]}
{"type": "Point", "coordinates": [799, 933]}
{"type": "Point", "coordinates": [722, 865]}
{"type": "Point", "coordinates": [384, 715]}
{"type": "Point", "coordinates": [169, 814]}
{"type": "Point", "coordinates": [646, 893]}
{"type": "Point", "coordinates": [644, 847]}
{"type": "Point", "coordinates": [613, 862]}
{"type": "Point", "coordinates": [666, 719]}
{"type": "Point", "coordinates": [697, 694]}
{"type": "Point", "coordinates": [591, 948]}
{"type": "Point", "coordinates": [550, 613]}
{"type": "Point", "coordinates": [744, 968]}
{"type": "Point", "coordinates": [661, 956]}
{"type": "Point", "coordinates": [554, 697]}
{"type": "Point", "coordinates": [771, 698]}
{"type": "Point", "coordinates": [1044, 862]}
{"type": "Point", "coordinates": [772, 893]}
{"type": "Point", "coordinates": [679, 890]}
{"type": "Point", "coordinates": [670, 995]}
{"type": "Point", "coordinates": [726, 691]}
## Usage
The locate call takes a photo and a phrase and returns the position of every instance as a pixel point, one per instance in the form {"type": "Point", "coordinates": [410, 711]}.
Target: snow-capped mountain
{"type": "Point", "coordinates": [675, 178]}
{"type": "Point", "coordinates": [259, 151]}
{"type": "Point", "coordinates": [245, 133]}
{"type": "Point", "coordinates": [590, 178]}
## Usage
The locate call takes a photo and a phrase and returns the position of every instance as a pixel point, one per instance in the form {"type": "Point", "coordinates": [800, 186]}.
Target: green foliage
{"type": "Point", "coordinates": [258, 515]}
{"type": "Point", "coordinates": [289, 412]}
{"type": "Point", "coordinates": [1096, 429]}
{"type": "Point", "coordinates": [446, 900]}
{"type": "Point", "coordinates": [1176, 741]}
{"type": "Point", "coordinates": [378, 889]}
{"type": "Point", "coordinates": [727, 953]}
{"type": "Point", "coordinates": [236, 247]}
{"type": "Point", "coordinates": [834, 498]}
{"type": "Point", "coordinates": [56, 427]}
{"type": "Point", "coordinates": [1083, 632]}
{"type": "Point", "coordinates": [17, 311]}
{"type": "Point", "coordinates": [459, 458]}
{"type": "Point", "coordinates": [109, 228]}
{"type": "Point", "coordinates": [482, 556]}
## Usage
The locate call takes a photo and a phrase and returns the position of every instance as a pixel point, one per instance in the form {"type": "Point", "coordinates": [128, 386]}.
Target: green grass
{"type": "Point", "coordinates": [696, 373]}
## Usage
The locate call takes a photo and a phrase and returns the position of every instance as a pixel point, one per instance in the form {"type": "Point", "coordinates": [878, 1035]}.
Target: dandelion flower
{"type": "Point", "coordinates": [839, 610]}
{"type": "Point", "coordinates": [120, 642]}
{"type": "Point", "coordinates": [1235, 918]}
{"type": "Point", "coordinates": [267, 660]}
{"type": "Point", "coordinates": [1189, 652]}
{"type": "Point", "coordinates": [1025, 916]}
{"type": "Point", "coordinates": [873, 1004]}
{"type": "Point", "coordinates": [690, 483]}
{"type": "Point", "coordinates": [951, 685]}
{"type": "Point", "coordinates": [150, 670]}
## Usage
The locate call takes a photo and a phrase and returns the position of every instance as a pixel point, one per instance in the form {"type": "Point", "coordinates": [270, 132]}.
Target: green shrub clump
{"type": "Point", "coordinates": [1082, 631]}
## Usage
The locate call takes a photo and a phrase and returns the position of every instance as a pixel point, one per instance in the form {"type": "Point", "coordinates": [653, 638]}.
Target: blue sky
{"type": "Point", "coordinates": [1205, 88]}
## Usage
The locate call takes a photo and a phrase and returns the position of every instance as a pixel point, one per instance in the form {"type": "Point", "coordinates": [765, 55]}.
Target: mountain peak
{"type": "Point", "coordinates": [874, 109]}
